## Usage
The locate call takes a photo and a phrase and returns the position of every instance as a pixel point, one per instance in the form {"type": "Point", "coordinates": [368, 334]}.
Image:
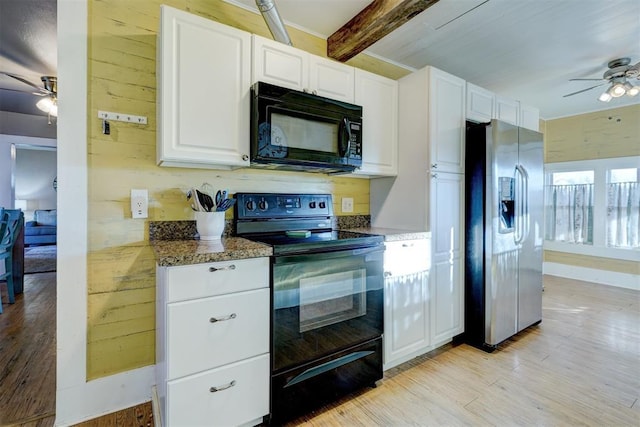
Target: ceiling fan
{"type": "Point", "coordinates": [618, 76]}
{"type": "Point", "coordinates": [49, 92]}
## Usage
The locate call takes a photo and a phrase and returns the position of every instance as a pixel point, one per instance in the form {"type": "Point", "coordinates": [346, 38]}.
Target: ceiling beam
{"type": "Point", "coordinates": [371, 24]}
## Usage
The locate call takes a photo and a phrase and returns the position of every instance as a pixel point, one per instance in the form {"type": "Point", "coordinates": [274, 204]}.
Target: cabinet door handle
{"type": "Point", "coordinates": [434, 165]}
{"type": "Point", "coordinates": [245, 157]}
{"type": "Point", "coordinates": [387, 274]}
{"type": "Point", "coordinates": [228, 267]}
{"type": "Point", "coordinates": [407, 245]}
{"type": "Point", "coordinates": [222, 387]}
{"type": "Point", "coordinates": [223, 318]}
{"type": "Point", "coordinates": [434, 175]}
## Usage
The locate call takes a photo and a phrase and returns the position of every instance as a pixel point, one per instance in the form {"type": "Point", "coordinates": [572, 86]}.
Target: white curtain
{"type": "Point", "coordinates": [569, 216]}
{"type": "Point", "coordinates": [623, 222]}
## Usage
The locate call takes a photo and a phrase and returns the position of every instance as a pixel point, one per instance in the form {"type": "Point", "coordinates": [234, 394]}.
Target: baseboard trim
{"type": "Point", "coordinates": [603, 277]}
{"type": "Point", "coordinates": [103, 396]}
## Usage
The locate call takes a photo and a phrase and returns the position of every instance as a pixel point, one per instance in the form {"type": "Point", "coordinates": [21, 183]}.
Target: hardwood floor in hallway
{"type": "Point", "coordinates": [28, 354]}
{"type": "Point", "coordinates": [580, 366]}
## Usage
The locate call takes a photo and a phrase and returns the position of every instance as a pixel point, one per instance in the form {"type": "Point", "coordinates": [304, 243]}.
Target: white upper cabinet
{"type": "Point", "coordinates": [480, 104]}
{"type": "Point", "coordinates": [331, 79]}
{"type": "Point", "coordinates": [287, 66]}
{"type": "Point", "coordinates": [378, 97]}
{"type": "Point", "coordinates": [446, 121]}
{"type": "Point", "coordinates": [507, 110]}
{"type": "Point", "coordinates": [279, 64]}
{"type": "Point", "coordinates": [204, 76]}
{"type": "Point", "coordinates": [529, 117]}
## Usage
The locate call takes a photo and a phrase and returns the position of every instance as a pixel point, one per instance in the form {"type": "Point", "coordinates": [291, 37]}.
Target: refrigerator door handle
{"type": "Point", "coordinates": [518, 236]}
{"type": "Point", "coordinates": [525, 208]}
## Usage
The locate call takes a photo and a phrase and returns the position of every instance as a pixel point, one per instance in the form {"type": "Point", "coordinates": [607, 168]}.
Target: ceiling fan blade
{"type": "Point", "coordinates": [25, 81]}
{"type": "Point", "coordinates": [583, 90]}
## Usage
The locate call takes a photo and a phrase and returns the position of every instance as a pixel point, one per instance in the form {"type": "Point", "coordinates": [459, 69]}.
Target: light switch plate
{"type": "Point", "coordinates": [347, 204]}
{"type": "Point", "coordinates": [139, 203]}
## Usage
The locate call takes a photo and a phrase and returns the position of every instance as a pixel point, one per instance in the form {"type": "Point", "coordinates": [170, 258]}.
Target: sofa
{"type": "Point", "coordinates": [43, 229]}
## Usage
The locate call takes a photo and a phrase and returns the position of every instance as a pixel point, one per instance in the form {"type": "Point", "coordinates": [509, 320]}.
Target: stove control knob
{"type": "Point", "coordinates": [263, 205]}
{"type": "Point", "coordinates": [312, 205]}
{"type": "Point", "coordinates": [322, 205]}
{"type": "Point", "coordinates": [251, 205]}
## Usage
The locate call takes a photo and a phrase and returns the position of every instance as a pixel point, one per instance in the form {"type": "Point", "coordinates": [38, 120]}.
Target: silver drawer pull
{"type": "Point", "coordinates": [222, 387]}
{"type": "Point", "coordinates": [387, 274]}
{"type": "Point", "coordinates": [407, 245]}
{"type": "Point", "coordinates": [222, 319]}
{"type": "Point", "coordinates": [228, 267]}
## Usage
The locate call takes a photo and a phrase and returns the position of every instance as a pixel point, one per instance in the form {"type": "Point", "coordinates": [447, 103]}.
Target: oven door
{"type": "Point", "coordinates": [325, 302]}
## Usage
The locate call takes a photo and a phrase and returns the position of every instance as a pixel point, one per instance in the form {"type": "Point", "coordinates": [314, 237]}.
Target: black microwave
{"type": "Point", "coordinates": [294, 130]}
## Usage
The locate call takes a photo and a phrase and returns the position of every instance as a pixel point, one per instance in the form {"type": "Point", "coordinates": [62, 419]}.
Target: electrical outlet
{"type": "Point", "coordinates": [347, 204]}
{"type": "Point", "coordinates": [139, 203]}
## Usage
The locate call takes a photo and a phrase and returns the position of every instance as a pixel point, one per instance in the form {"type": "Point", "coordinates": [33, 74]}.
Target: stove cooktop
{"type": "Point", "coordinates": [319, 241]}
{"type": "Point", "coordinates": [267, 217]}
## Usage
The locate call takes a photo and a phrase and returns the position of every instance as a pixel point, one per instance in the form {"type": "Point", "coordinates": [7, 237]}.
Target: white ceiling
{"type": "Point", "coordinates": [523, 49]}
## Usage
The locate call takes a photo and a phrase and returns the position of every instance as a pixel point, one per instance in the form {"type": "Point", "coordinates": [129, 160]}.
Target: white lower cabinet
{"type": "Point", "coordinates": [227, 396]}
{"type": "Point", "coordinates": [447, 233]}
{"type": "Point", "coordinates": [407, 296]}
{"type": "Point", "coordinates": [212, 343]}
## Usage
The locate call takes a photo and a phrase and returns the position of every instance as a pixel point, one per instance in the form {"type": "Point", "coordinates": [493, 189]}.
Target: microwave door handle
{"type": "Point", "coordinates": [346, 131]}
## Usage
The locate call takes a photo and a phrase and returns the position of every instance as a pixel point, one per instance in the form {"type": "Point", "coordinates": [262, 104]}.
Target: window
{"type": "Point", "coordinates": [623, 206]}
{"type": "Point", "coordinates": [569, 207]}
{"type": "Point", "coordinates": [592, 207]}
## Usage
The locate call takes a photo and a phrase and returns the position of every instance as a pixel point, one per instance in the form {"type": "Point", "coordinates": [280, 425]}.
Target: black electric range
{"type": "Point", "coordinates": [326, 300]}
{"type": "Point", "coordinates": [295, 223]}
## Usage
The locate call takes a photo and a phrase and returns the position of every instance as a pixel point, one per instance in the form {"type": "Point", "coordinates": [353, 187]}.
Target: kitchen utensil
{"type": "Point", "coordinates": [225, 204]}
{"type": "Point", "coordinates": [221, 196]}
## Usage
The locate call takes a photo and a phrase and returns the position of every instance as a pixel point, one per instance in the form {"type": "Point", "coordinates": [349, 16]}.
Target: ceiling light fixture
{"type": "Point", "coordinates": [49, 105]}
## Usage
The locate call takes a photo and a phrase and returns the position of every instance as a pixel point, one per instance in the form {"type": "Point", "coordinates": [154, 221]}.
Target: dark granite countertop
{"type": "Point", "coordinates": [171, 253]}
{"type": "Point", "coordinates": [392, 234]}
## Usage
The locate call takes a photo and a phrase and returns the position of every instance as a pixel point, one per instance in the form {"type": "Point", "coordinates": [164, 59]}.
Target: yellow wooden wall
{"type": "Point", "coordinates": [599, 135]}
{"type": "Point", "coordinates": [603, 134]}
{"type": "Point", "coordinates": [121, 76]}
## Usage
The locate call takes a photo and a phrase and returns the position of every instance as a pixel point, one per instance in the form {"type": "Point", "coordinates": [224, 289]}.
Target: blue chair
{"type": "Point", "coordinates": [8, 232]}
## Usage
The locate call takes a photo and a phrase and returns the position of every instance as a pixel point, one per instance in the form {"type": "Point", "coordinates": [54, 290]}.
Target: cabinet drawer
{"type": "Point", "coordinates": [196, 343]}
{"type": "Point", "coordinates": [191, 402]}
{"type": "Point", "coordinates": [407, 256]}
{"type": "Point", "coordinates": [216, 278]}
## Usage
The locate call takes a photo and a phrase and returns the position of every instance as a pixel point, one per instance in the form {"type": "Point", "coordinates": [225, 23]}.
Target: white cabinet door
{"type": "Point", "coordinates": [279, 64]}
{"type": "Point", "coordinates": [407, 312]}
{"type": "Point", "coordinates": [378, 97]}
{"type": "Point", "coordinates": [287, 66]}
{"type": "Point", "coordinates": [447, 121]}
{"type": "Point", "coordinates": [331, 79]}
{"type": "Point", "coordinates": [447, 299]}
{"type": "Point", "coordinates": [204, 76]}
{"type": "Point", "coordinates": [229, 396]}
{"type": "Point", "coordinates": [406, 317]}
{"type": "Point", "coordinates": [529, 117]}
{"type": "Point", "coordinates": [447, 233]}
{"type": "Point", "coordinates": [507, 110]}
{"type": "Point", "coordinates": [480, 103]}
{"type": "Point", "coordinates": [210, 332]}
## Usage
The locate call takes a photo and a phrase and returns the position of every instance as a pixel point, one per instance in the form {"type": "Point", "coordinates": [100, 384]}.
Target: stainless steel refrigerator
{"type": "Point", "coordinates": [504, 231]}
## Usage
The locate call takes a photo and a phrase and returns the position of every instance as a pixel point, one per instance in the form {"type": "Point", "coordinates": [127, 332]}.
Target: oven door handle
{"type": "Point", "coordinates": [328, 254]}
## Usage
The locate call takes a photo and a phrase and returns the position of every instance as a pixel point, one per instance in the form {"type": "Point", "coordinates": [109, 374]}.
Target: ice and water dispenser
{"type": "Point", "coordinates": [506, 195]}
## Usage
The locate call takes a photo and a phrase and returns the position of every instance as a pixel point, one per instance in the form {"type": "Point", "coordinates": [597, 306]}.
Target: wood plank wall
{"type": "Point", "coordinates": [599, 135]}
{"type": "Point", "coordinates": [121, 279]}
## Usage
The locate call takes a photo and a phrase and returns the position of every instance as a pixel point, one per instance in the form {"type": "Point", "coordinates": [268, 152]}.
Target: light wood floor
{"type": "Point", "coordinates": [580, 366]}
